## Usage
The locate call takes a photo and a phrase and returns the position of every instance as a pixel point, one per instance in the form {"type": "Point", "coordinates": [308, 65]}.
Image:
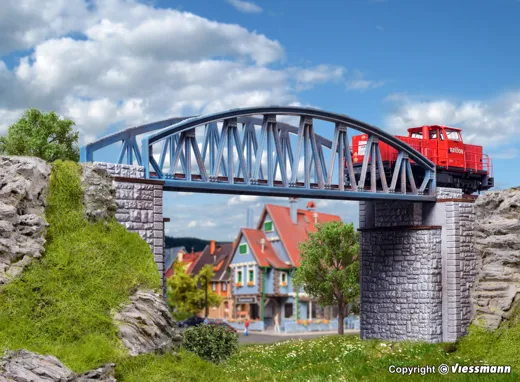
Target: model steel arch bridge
{"type": "Point", "coordinates": [272, 151]}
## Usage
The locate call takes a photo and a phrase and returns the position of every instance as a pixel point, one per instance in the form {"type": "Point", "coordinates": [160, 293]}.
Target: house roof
{"type": "Point", "coordinates": [171, 255]}
{"type": "Point", "coordinates": [267, 257]}
{"type": "Point", "coordinates": [222, 252]}
{"type": "Point", "coordinates": [291, 235]}
{"type": "Point", "coordinates": [191, 260]}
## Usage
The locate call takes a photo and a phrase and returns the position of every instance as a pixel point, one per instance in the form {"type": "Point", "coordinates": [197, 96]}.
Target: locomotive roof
{"type": "Point", "coordinates": [416, 129]}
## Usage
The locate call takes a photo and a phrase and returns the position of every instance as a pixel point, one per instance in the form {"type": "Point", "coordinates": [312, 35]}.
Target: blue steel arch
{"type": "Point", "coordinates": [250, 179]}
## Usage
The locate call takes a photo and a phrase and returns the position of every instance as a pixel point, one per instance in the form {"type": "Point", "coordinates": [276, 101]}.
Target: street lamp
{"type": "Point", "coordinates": [206, 293]}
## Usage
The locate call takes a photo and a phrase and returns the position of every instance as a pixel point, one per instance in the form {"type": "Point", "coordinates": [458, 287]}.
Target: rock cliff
{"type": "Point", "coordinates": [497, 231]}
{"type": "Point", "coordinates": [25, 366]}
{"type": "Point", "coordinates": [23, 187]}
{"type": "Point", "coordinates": [146, 325]}
{"type": "Point", "coordinates": [99, 196]}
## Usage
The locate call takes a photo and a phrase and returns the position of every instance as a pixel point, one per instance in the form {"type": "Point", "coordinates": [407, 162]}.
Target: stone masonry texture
{"type": "Point", "coordinates": [397, 213]}
{"type": "Point", "coordinates": [140, 207]}
{"type": "Point", "coordinates": [401, 291]}
{"type": "Point", "coordinates": [441, 258]}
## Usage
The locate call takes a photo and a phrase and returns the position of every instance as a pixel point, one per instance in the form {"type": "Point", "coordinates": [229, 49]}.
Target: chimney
{"type": "Point", "coordinates": [315, 216]}
{"type": "Point", "coordinates": [192, 250]}
{"type": "Point", "coordinates": [249, 222]}
{"type": "Point", "coordinates": [212, 247]}
{"type": "Point", "coordinates": [262, 242]}
{"type": "Point", "coordinates": [294, 209]}
{"type": "Point", "coordinates": [180, 256]}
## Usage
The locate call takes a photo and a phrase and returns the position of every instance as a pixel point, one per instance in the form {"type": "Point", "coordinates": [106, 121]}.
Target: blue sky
{"type": "Point", "coordinates": [394, 64]}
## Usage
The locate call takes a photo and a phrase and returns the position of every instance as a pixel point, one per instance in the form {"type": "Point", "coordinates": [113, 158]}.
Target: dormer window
{"type": "Point", "coordinates": [268, 226]}
{"type": "Point", "coordinates": [242, 249]}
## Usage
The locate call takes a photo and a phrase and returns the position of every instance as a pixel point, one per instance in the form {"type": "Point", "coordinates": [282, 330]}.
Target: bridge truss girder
{"type": "Point", "coordinates": [236, 157]}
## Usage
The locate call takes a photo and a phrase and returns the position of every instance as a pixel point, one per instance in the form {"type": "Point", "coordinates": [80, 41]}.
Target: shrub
{"type": "Point", "coordinates": [212, 343]}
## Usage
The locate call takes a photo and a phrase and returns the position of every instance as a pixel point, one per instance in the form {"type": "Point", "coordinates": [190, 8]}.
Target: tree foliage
{"type": "Point", "coordinates": [329, 267]}
{"type": "Point", "coordinates": [45, 136]}
{"type": "Point", "coordinates": [184, 293]}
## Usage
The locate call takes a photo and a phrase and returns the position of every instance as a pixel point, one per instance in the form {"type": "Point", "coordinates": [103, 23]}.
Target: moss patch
{"type": "Point", "coordinates": [499, 347]}
{"type": "Point", "coordinates": [62, 304]}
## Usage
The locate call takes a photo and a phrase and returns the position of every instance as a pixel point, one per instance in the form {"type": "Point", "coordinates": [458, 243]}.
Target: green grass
{"type": "Point", "coordinates": [61, 305]}
{"type": "Point", "coordinates": [185, 367]}
{"type": "Point", "coordinates": [330, 358]}
{"type": "Point", "coordinates": [347, 358]}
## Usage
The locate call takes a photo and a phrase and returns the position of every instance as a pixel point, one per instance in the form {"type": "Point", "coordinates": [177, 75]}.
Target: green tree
{"type": "Point", "coordinates": [329, 267]}
{"type": "Point", "coordinates": [41, 135]}
{"type": "Point", "coordinates": [183, 292]}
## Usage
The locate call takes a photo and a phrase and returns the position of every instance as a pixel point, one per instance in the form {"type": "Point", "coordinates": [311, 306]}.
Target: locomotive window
{"type": "Point", "coordinates": [417, 135]}
{"type": "Point", "coordinates": [453, 135]}
{"type": "Point", "coordinates": [436, 134]}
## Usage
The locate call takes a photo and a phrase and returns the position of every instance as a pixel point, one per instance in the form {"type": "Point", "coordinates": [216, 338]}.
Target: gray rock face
{"type": "Point", "coordinates": [23, 187]}
{"type": "Point", "coordinates": [146, 325]}
{"type": "Point", "coordinates": [497, 232]}
{"type": "Point", "coordinates": [99, 197]}
{"type": "Point", "coordinates": [24, 366]}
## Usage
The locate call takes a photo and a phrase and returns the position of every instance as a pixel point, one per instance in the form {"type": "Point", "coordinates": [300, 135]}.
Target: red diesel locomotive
{"type": "Point", "coordinates": [459, 165]}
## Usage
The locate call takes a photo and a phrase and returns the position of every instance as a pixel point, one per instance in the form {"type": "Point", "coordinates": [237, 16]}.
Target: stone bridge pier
{"type": "Point", "coordinates": [418, 262]}
{"type": "Point", "coordinates": [140, 207]}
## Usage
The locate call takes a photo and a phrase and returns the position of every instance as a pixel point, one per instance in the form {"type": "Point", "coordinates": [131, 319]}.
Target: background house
{"type": "Point", "coordinates": [263, 261]}
{"type": "Point", "coordinates": [170, 254]}
{"type": "Point", "coordinates": [187, 259]}
{"type": "Point", "coordinates": [217, 255]}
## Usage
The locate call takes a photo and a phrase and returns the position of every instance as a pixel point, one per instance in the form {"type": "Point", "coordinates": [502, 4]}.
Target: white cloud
{"type": "Point", "coordinates": [359, 82]}
{"type": "Point", "coordinates": [241, 199]}
{"type": "Point", "coordinates": [202, 224]}
{"type": "Point", "coordinates": [139, 64]}
{"type": "Point", "coordinates": [491, 123]}
{"type": "Point", "coordinates": [245, 6]}
{"type": "Point", "coordinates": [24, 23]}
{"type": "Point", "coordinates": [506, 153]}
{"type": "Point", "coordinates": [306, 77]}
{"type": "Point", "coordinates": [7, 118]}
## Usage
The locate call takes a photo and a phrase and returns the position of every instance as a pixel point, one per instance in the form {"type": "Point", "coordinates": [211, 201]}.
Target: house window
{"type": "Point", "coordinates": [251, 274]}
{"type": "Point", "coordinates": [288, 309]}
{"type": "Point", "coordinates": [268, 226]}
{"type": "Point", "coordinates": [242, 249]}
{"type": "Point", "coordinates": [283, 279]}
{"type": "Point", "coordinates": [239, 276]}
{"type": "Point", "coordinates": [214, 286]}
{"type": "Point", "coordinates": [224, 287]}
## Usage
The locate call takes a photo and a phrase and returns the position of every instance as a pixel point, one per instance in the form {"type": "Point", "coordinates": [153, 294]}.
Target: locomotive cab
{"type": "Point", "coordinates": [441, 144]}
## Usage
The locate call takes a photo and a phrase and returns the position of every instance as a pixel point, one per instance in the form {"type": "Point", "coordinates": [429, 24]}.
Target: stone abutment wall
{"type": "Point", "coordinates": [418, 264]}
{"type": "Point", "coordinates": [140, 207]}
